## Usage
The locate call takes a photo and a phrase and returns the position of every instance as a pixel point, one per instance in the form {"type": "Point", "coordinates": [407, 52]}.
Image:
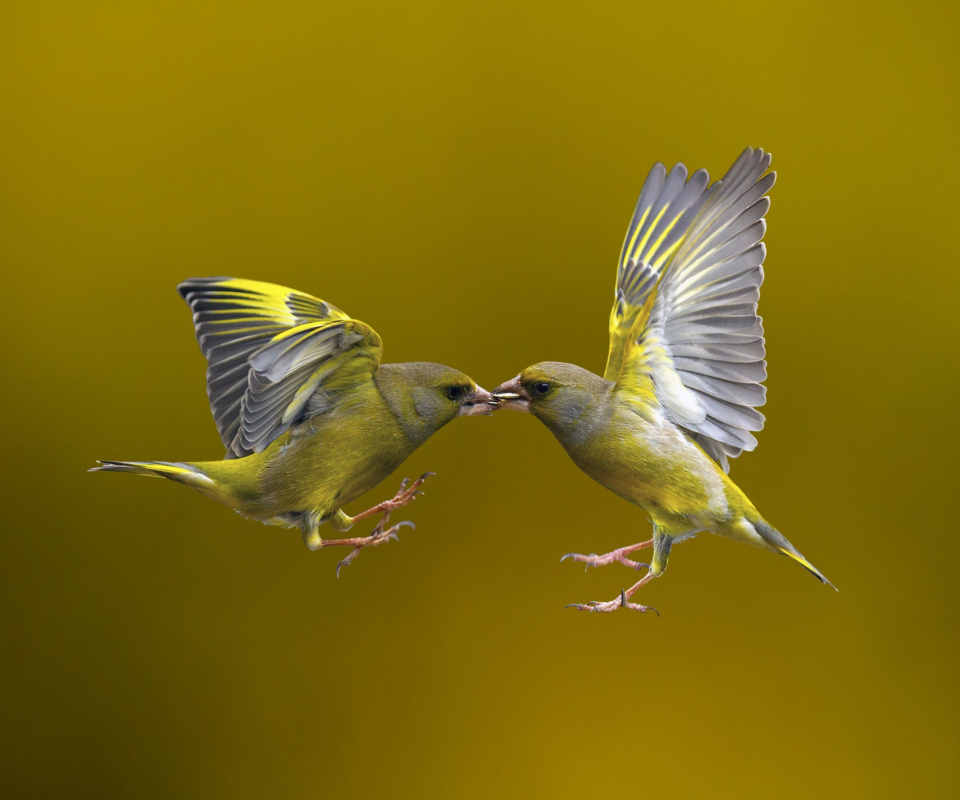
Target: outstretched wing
{"type": "Point", "coordinates": [270, 349]}
{"type": "Point", "coordinates": [688, 287]}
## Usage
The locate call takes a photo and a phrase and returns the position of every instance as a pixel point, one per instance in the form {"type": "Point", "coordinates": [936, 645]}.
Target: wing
{"type": "Point", "coordinates": [689, 288]}
{"type": "Point", "coordinates": [665, 209]}
{"type": "Point", "coordinates": [270, 349]}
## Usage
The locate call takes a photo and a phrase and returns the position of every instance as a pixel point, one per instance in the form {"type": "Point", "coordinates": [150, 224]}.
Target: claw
{"type": "Point", "coordinates": [613, 605]}
{"type": "Point", "coordinates": [406, 494]}
{"type": "Point", "coordinates": [579, 557]}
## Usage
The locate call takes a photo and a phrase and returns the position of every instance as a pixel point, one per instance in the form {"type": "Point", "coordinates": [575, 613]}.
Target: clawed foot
{"type": "Point", "coordinates": [623, 601]}
{"type": "Point", "coordinates": [593, 560]}
{"type": "Point", "coordinates": [407, 493]}
{"type": "Point", "coordinates": [379, 536]}
{"type": "Point", "coordinates": [612, 605]}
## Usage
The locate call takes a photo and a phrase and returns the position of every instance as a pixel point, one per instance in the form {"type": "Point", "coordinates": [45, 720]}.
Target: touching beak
{"type": "Point", "coordinates": [512, 395]}
{"type": "Point", "coordinates": [479, 401]}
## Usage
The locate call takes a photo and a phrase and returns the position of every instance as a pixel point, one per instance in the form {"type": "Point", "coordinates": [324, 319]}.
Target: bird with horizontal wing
{"type": "Point", "coordinates": [684, 371]}
{"type": "Point", "coordinates": [310, 417]}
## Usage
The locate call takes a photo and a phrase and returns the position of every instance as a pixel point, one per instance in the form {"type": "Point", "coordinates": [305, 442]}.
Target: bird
{"type": "Point", "coordinates": [310, 417]}
{"type": "Point", "coordinates": [684, 373]}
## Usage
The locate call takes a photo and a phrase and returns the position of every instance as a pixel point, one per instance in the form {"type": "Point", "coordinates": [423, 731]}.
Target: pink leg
{"type": "Point", "coordinates": [403, 496]}
{"type": "Point", "coordinates": [623, 601]}
{"type": "Point", "coordinates": [593, 560]}
{"type": "Point", "coordinates": [380, 533]}
{"type": "Point", "coordinates": [378, 536]}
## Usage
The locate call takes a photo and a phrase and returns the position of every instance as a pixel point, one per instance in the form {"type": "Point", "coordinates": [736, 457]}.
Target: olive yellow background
{"type": "Point", "coordinates": [459, 175]}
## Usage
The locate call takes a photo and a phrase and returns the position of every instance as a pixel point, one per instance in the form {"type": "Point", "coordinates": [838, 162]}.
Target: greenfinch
{"type": "Point", "coordinates": [684, 370]}
{"type": "Point", "coordinates": [310, 417]}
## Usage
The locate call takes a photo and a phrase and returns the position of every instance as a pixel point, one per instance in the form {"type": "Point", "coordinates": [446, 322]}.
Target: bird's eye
{"type": "Point", "coordinates": [542, 388]}
{"type": "Point", "coordinates": [454, 392]}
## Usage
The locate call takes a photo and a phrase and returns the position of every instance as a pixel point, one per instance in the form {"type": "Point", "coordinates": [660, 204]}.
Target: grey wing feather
{"type": "Point", "coordinates": [268, 351]}
{"type": "Point", "coordinates": [710, 293]}
{"type": "Point", "coordinates": [704, 256]}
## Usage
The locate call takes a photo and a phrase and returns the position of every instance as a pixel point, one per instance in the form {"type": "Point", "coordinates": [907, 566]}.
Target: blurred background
{"type": "Point", "coordinates": [460, 176]}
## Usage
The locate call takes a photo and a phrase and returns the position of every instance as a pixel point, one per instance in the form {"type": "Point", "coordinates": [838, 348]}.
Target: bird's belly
{"type": "Point", "coordinates": [659, 469]}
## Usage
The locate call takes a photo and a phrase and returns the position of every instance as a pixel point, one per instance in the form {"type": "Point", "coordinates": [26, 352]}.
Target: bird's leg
{"type": "Point", "coordinates": [404, 495]}
{"type": "Point", "coordinates": [593, 560]}
{"type": "Point", "coordinates": [377, 536]}
{"type": "Point", "coordinates": [623, 601]}
{"type": "Point", "coordinates": [661, 552]}
{"type": "Point", "coordinates": [380, 534]}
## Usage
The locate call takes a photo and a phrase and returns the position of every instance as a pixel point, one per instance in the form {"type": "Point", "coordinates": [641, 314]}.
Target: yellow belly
{"type": "Point", "coordinates": [657, 467]}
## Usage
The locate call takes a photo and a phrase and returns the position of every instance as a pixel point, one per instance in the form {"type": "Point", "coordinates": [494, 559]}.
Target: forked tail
{"type": "Point", "coordinates": [779, 541]}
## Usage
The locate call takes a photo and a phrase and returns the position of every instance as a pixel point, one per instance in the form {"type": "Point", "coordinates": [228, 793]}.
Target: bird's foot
{"type": "Point", "coordinates": [593, 560]}
{"type": "Point", "coordinates": [612, 605]}
{"type": "Point", "coordinates": [379, 536]}
{"type": "Point", "coordinates": [405, 494]}
{"type": "Point", "coordinates": [381, 533]}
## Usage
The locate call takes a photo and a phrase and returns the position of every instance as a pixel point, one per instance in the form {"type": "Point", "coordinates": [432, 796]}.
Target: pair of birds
{"type": "Point", "coordinates": [312, 420]}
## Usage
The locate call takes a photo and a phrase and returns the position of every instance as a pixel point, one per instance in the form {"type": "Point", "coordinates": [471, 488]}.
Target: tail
{"type": "Point", "coordinates": [188, 474]}
{"type": "Point", "coordinates": [779, 541]}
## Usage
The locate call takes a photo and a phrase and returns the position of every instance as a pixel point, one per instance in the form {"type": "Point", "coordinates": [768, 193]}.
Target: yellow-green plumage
{"type": "Point", "coordinates": [684, 370]}
{"type": "Point", "coordinates": [310, 418]}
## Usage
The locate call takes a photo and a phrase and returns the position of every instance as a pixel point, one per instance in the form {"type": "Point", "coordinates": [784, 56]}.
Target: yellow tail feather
{"type": "Point", "coordinates": [181, 473]}
{"type": "Point", "coordinates": [808, 566]}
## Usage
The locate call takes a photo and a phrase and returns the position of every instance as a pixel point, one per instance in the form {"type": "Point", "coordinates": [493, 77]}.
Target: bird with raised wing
{"type": "Point", "coordinates": [310, 417]}
{"type": "Point", "coordinates": [684, 373]}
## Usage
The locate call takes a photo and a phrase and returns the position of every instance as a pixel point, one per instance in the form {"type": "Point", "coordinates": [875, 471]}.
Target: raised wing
{"type": "Point", "coordinates": [688, 287]}
{"type": "Point", "coordinates": [664, 211]}
{"type": "Point", "coordinates": [270, 349]}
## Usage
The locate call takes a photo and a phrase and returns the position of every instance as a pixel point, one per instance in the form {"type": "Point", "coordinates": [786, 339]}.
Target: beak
{"type": "Point", "coordinates": [479, 401]}
{"type": "Point", "coordinates": [512, 395]}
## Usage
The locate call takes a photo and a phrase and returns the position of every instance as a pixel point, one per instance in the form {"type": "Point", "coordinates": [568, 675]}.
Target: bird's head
{"type": "Point", "coordinates": [439, 393]}
{"type": "Point", "coordinates": [555, 393]}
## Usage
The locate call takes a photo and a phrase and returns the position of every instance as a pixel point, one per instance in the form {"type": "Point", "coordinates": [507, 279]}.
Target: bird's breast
{"type": "Point", "coordinates": [652, 463]}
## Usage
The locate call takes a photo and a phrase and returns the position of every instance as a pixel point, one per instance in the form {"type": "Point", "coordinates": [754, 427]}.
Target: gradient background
{"type": "Point", "coordinates": [460, 178]}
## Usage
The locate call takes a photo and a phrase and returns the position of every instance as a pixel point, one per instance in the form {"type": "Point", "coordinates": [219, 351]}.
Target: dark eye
{"type": "Point", "coordinates": [542, 388]}
{"type": "Point", "coordinates": [454, 392]}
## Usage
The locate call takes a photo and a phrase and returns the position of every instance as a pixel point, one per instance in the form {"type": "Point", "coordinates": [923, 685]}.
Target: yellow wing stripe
{"type": "Point", "coordinates": [636, 233]}
{"type": "Point", "coordinates": [670, 250]}
{"type": "Point", "coordinates": [650, 228]}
